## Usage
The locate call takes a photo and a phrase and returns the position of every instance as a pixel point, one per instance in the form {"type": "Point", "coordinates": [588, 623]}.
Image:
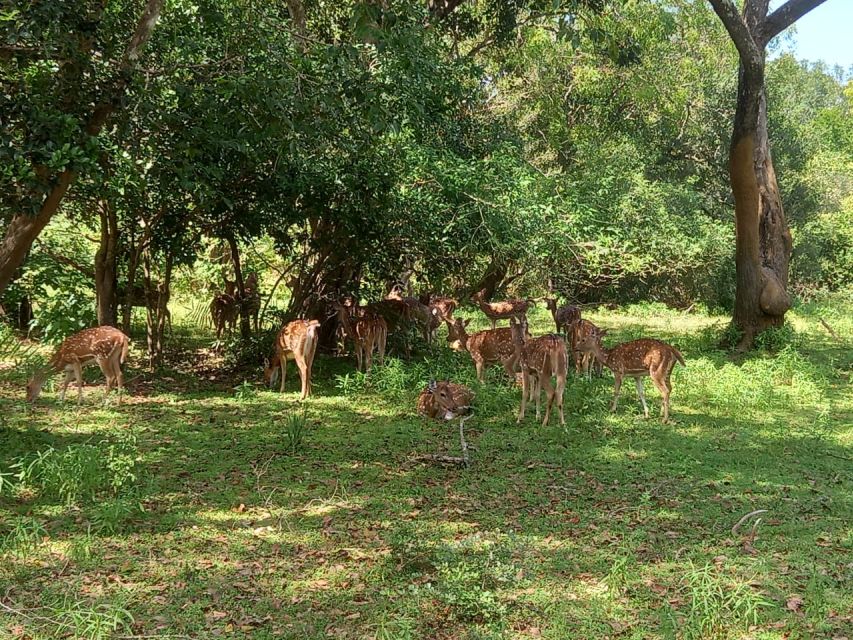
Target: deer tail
{"type": "Point", "coordinates": [679, 357]}
{"type": "Point", "coordinates": [125, 349]}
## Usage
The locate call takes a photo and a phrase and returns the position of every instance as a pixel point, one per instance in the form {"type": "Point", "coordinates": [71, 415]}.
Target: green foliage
{"type": "Point", "coordinates": [718, 605]}
{"type": "Point", "coordinates": [80, 473]}
{"type": "Point", "coordinates": [24, 535]}
{"type": "Point", "coordinates": [777, 338]}
{"type": "Point", "coordinates": [294, 432]}
{"type": "Point", "coordinates": [245, 391]}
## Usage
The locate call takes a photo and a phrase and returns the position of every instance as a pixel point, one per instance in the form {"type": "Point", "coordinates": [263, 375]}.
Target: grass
{"type": "Point", "coordinates": [205, 507]}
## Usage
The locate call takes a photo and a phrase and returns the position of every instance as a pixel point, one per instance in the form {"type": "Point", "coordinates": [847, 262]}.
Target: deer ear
{"type": "Point", "coordinates": [466, 322]}
{"type": "Point", "coordinates": [602, 333]}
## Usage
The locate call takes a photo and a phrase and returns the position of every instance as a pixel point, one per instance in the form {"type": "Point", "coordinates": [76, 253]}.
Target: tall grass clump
{"type": "Point", "coordinates": [717, 605]}
{"type": "Point", "coordinates": [80, 472]}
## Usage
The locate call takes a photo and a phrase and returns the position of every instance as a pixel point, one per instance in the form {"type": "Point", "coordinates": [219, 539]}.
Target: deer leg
{"type": "Point", "coordinates": [561, 387]}
{"type": "Point", "coordinates": [525, 383]}
{"type": "Point", "coordinates": [640, 393]}
{"type": "Point", "coordinates": [68, 374]}
{"type": "Point", "coordinates": [358, 348]}
{"type": "Point", "coordinates": [368, 355]}
{"type": "Point", "coordinates": [78, 373]}
{"type": "Point", "coordinates": [549, 397]}
{"type": "Point", "coordinates": [481, 372]}
{"type": "Point", "coordinates": [664, 386]}
{"type": "Point", "coordinates": [537, 390]}
{"type": "Point", "coordinates": [617, 385]}
{"type": "Point", "coordinates": [494, 323]}
{"type": "Point", "coordinates": [383, 338]}
{"type": "Point", "coordinates": [282, 364]}
{"type": "Point", "coordinates": [303, 374]}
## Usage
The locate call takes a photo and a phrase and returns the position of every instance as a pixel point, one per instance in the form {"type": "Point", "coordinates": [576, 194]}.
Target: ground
{"type": "Point", "coordinates": [203, 507]}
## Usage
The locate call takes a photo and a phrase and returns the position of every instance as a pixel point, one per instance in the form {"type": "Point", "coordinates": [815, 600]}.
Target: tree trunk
{"type": "Point", "coordinates": [763, 240]}
{"type": "Point", "coordinates": [164, 291]}
{"type": "Point", "coordinates": [105, 267]}
{"type": "Point", "coordinates": [150, 311]}
{"type": "Point", "coordinates": [245, 325]}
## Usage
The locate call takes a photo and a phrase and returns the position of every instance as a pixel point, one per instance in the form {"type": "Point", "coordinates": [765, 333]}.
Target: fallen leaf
{"type": "Point", "coordinates": [794, 603]}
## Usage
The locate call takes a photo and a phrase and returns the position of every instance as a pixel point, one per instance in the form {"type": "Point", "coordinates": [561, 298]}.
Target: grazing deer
{"type": "Point", "coordinates": [486, 347]}
{"type": "Point", "coordinates": [506, 309]}
{"type": "Point", "coordinates": [445, 400]}
{"type": "Point", "coordinates": [637, 359]}
{"type": "Point", "coordinates": [540, 358]}
{"type": "Point", "coordinates": [297, 341]}
{"type": "Point", "coordinates": [367, 330]}
{"type": "Point", "coordinates": [564, 317]}
{"type": "Point", "coordinates": [584, 360]}
{"type": "Point", "coordinates": [105, 346]}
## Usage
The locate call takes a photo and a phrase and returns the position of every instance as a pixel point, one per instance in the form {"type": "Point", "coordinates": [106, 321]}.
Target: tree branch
{"type": "Point", "coordinates": [440, 9]}
{"type": "Point", "coordinates": [738, 31]}
{"type": "Point", "coordinates": [785, 16]}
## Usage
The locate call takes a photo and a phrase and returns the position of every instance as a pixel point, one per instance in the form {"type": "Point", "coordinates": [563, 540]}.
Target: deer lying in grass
{"type": "Point", "coordinates": [486, 347]}
{"type": "Point", "coordinates": [367, 330]}
{"type": "Point", "coordinates": [445, 400]}
{"type": "Point", "coordinates": [297, 341]}
{"type": "Point", "coordinates": [585, 361]}
{"type": "Point", "coordinates": [513, 310]}
{"type": "Point", "coordinates": [564, 317]}
{"type": "Point", "coordinates": [637, 359]}
{"type": "Point", "coordinates": [105, 346]}
{"type": "Point", "coordinates": [540, 359]}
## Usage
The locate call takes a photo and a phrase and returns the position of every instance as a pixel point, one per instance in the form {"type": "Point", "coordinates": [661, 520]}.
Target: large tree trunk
{"type": "Point", "coordinates": [24, 229]}
{"type": "Point", "coordinates": [763, 240]}
{"type": "Point", "coordinates": [105, 267]}
{"type": "Point", "coordinates": [245, 325]}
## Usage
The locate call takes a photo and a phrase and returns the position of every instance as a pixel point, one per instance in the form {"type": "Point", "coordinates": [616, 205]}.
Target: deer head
{"type": "Point", "coordinates": [457, 337]}
{"type": "Point", "coordinates": [450, 400]}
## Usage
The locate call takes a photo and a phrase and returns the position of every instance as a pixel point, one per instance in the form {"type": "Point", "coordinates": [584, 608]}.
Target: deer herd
{"type": "Point", "coordinates": [532, 361]}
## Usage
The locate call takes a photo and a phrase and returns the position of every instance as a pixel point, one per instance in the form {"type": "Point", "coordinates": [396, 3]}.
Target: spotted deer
{"type": "Point", "coordinates": [297, 341]}
{"type": "Point", "coordinates": [487, 347]}
{"type": "Point", "coordinates": [367, 330]}
{"type": "Point", "coordinates": [513, 310]}
{"type": "Point", "coordinates": [637, 359]}
{"type": "Point", "coordinates": [540, 359]}
{"type": "Point", "coordinates": [445, 400]}
{"type": "Point", "coordinates": [105, 346]}
{"type": "Point", "coordinates": [564, 317]}
{"type": "Point", "coordinates": [585, 362]}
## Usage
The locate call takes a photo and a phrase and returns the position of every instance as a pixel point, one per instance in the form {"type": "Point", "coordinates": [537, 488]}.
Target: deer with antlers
{"type": "Point", "coordinates": [513, 310]}
{"type": "Point", "coordinates": [445, 400]}
{"type": "Point", "coordinates": [638, 359]}
{"type": "Point", "coordinates": [105, 346]}
{"type": "Point", "coordinates": [487, 347]}
{"type": "Point", "coordinates": [297, 341]}
{"type": "Point", "coordinates": [367, 330]}
{"type": "Point", "coordinates": [540, 359]}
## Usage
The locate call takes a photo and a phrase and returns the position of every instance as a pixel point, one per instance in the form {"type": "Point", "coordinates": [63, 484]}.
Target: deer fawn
{"type": "Point", "coordinates": [105, 346]}
{"type": "Point", "coordinates": [506, 309]}
{"type": "Point", "coordinates": [637, 359]}
{"type": "Point", "coordinates": [445, 400]}
{"type": "Point", "coordinates": [296, 341]}
{"type": "Point", "coordinates": [540, 358]}
{"type": "Point", "coordinates": [367, 330]}
{"type": "Point", "coordinates": [486, 347]}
